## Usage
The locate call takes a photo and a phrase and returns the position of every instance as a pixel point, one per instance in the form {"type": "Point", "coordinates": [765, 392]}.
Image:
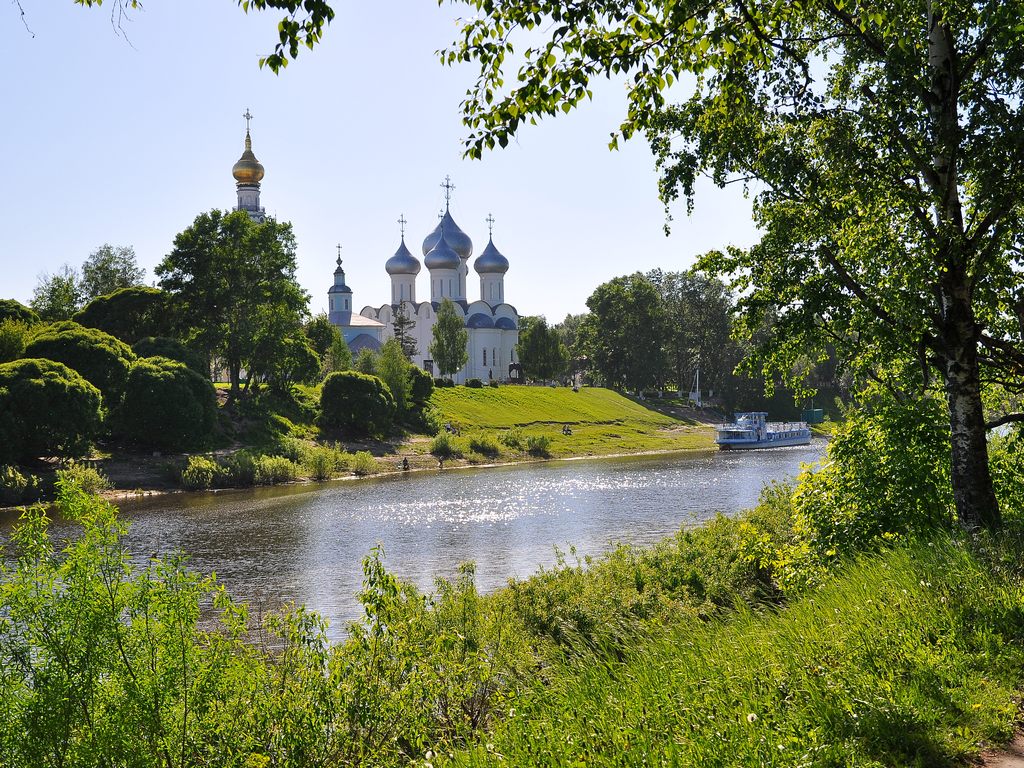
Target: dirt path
{"type": "Point", "coordinates": [1011, 757]}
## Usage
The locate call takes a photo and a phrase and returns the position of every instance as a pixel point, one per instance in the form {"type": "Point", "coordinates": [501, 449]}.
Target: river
{"type": "Point", "coordinates": [305, 543]}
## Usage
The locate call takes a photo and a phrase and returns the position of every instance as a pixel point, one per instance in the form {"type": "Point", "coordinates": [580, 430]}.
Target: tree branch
{"type": "Point", "coordinates": [1010, 418]}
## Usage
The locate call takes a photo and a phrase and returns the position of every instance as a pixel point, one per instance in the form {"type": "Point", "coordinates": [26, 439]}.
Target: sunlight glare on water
{"type": "Point", "coordinates": [305, 543]}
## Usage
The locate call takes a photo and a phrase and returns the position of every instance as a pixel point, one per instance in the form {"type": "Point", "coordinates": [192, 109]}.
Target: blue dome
{"type": "Point", "coordinates": [457, 239]}
{"type": "Point", "coordinates": [403, 262]}
{"type": "Point", "coordinates": [479, 320]}
{"type": "Point", "coordinates": [491, 261]}
{"type": "Point", "coordinates": [442, 256]}
{"type": "Point", "coordinates": [506, 324]}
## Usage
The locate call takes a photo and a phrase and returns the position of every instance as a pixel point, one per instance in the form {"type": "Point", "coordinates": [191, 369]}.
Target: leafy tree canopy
{"type": "Point", "coordinates": [393, 369]}
{"type": "Point", "coordinates": [540, 349]}
{"type": "Point", "coordinates": [108, 269]}
{"type": "Point", "coordinates": [233, 283]}
{"type": "Point", "coordinates": [886, 146]}
{"type": "Point", "coordinates": [403, 326]}
{"type": "Point", "coordinates": [301, 26]}
{"type": "Point", "coordinates": [421, 386]}
{"type": "Point", "coordinates": [448, 347]}
{"type": "Point", "coordinates": [624, 332]}
{"type": "Point", "coordinates": [58, 296]}
{"type": "Point", "coordinates": [322, 333]}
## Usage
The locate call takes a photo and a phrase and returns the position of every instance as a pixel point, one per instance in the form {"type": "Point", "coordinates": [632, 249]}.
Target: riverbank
{"type": "Point", "coordinates": [488, 426]}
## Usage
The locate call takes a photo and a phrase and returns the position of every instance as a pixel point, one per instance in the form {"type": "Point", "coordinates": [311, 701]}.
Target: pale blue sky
{"type": "Point", "coordinates": [108, 140]}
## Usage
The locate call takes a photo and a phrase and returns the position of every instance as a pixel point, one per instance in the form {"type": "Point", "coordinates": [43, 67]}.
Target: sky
{"type": "Point", "coordinates": [125, 138]}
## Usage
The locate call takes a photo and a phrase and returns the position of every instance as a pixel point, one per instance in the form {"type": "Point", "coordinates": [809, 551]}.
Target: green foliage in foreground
{"type": "Point", "coordinates": [910, 657]}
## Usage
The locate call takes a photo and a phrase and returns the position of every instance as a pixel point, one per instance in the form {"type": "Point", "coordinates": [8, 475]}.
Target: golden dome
{"type": "Point", "coordinates": [248, 169]}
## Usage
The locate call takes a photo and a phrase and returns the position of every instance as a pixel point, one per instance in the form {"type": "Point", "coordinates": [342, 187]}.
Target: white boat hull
{"type": "Point", "coordinates": [753, 430]}
{"type": "Point", "coordinates": [751, 444]}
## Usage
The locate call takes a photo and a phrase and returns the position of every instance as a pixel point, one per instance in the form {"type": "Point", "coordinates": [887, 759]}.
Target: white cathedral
{"type": "Point", "coordinates": [492, 323]}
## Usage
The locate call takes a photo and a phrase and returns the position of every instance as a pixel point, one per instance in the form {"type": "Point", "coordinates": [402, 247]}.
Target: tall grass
{"type": "Point", "coordinates": [910, 658]}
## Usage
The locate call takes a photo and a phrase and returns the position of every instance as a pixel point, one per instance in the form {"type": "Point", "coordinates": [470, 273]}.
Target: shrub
{"type": "Point", "coordinates": [444, 446]}
{"type": "Point", "coordinates": [356, 402]}
{"type": "Point", "coordinates": [421, 385]}
{"type": "Point", "coordinates": [443, 382]}
{"type": "Point", "coordinates": [163, 346]}
{"type": "Point", "coordinates": [493, 383]}
{"type": "Point", "coordinates": [199, 474]}
{"type": "Point", "coordinates": [886, 477]}
{"type": "Point", "coordinates": [16, 488]}
{"type": "Point", "coordinates": [426, 420]}
{"type": "Point", "coordinates": [129, 314]}
{"type": "Point", "coordinates": [84, 476]}
{"type": "Point", "coordinates": [513, 438]}
{"type": "Point", "coordinates": [167, 405]}
{"type": "Point", "coordinates": [239, 469]}
{"type": "Point", "coordinates": [46, 409]}
{"type": "Point", "coordinates": [538, 445]}
{"type": "Point", "coordinates": [323, 462]}
{"type": "Point", "coordinates": [292, 449]}
{"type": "Point", "coordinates": [14, 335]}
{"type": "Point", "coordinates": [484, 445]}
{"type": "Point", "coordinates": [15, 310]}
{"type": "Point", "coordinates": [474, 384]}
{"type": "Point", "coordinates": [273, 470]}
{"type": "Point", "coordinates": [363, 463]}
{"type": "Point", "coordinates": [101, 359]}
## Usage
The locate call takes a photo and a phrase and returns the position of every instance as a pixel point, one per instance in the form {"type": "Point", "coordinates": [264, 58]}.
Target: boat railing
{"type": "Point", "coordinates": [787, 426]}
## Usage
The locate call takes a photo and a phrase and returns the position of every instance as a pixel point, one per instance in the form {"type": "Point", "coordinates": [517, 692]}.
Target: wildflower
{"type": "Point", "coordinates": [751, 717]}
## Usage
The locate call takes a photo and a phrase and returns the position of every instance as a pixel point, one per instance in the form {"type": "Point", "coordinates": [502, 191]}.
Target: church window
{"type": "Point", "coordinates": [494, 356]}
{"type": "Point", "coordinates": [485, 357]}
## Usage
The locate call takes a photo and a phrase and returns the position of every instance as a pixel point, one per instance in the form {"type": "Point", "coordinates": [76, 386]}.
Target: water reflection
{"type": "Point", "coordinates": [305, 543]}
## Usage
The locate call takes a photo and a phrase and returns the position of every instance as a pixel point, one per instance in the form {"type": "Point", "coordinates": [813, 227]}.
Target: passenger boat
{"type": "Point", "coordinates": [753, 430]}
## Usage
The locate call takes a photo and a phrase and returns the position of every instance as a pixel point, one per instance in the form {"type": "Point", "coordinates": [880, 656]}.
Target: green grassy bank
{"type": "Point", "coordinates": [909, 658]}
{"type": "Point", "coordinates": [602, 421]}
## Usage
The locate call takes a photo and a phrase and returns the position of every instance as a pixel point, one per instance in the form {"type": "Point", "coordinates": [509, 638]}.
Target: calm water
{"type": "Point", "coordinates": [305, 543]}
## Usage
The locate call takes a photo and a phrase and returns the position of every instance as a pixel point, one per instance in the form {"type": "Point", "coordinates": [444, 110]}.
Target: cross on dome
{"type": "Point", "coordinates": [401, 223]}
{"type": "Point", "coordinates": [448, 188]}
{"type": "Point", "coordinates": [248, 117]}
{"type": "Point", "coordinates": [339, 254]}
{"type": "Point", "coordinates": [490, 224]}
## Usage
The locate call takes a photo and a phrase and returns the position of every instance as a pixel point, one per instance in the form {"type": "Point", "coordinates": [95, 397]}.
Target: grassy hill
{"type": "Point", "coordinates": [602, 421]}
